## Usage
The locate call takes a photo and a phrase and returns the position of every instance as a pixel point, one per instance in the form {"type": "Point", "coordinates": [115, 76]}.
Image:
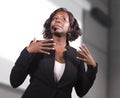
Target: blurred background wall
{"type": "Point", "coordinates": [100, 25]}
{"type": "Point", "coordinates": [114, 50]}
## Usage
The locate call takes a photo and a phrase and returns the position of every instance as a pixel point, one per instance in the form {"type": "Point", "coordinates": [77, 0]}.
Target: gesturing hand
{"type": "Point", "coordinates": [42, 46]}
{"type": "Point", "coordinates": [86, 56]}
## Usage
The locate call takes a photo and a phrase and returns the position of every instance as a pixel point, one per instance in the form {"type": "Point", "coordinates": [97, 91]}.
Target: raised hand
{"type": "Point", "coordinates": [86, 56]}
{"type": "Point", "coordinates": [42, 46]}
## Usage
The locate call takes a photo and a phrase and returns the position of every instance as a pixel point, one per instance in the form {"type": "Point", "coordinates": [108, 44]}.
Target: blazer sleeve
{"type": "Point", "coordinates": [85, 79]}
{"type": "Point", "coordinates": [20, 70]}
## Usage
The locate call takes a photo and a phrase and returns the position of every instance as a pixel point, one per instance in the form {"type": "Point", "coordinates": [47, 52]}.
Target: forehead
{"type": "Point", "coordinates": [62, 13]}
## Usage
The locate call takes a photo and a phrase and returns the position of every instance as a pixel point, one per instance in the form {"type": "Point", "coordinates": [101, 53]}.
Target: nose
{"type": "Point", "coordinates": [58, 20]}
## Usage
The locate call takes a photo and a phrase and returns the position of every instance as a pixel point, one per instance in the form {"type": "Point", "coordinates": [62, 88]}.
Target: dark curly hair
{"type": "Point", "coordinates": [74, 32]}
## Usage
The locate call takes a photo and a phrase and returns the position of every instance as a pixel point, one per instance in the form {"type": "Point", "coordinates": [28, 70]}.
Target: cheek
{"type": "Point", "coordinates": [66, 27]}
{"type": "Point", "coordinates": [51, 23]}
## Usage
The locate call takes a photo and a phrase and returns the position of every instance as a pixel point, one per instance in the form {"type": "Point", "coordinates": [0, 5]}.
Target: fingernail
{"type": "Point", "coordinates": [83, 44]}
{"type": "Point", "coordinates": [48, 53]}
{"type": "Point", "coordinates": [54, 43]}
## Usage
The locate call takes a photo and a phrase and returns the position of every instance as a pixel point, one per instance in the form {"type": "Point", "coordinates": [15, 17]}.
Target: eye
{"type": "Point", "coordinates": [64, 19]}
{"type": "Point", "coordinates": [54, 18]}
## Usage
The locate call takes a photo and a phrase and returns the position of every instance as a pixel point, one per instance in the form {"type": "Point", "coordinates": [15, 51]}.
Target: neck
{"type": "Point", "coordinates": [60, 40]}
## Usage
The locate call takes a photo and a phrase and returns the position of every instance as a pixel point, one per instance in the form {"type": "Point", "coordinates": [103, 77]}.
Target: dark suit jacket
{"type": "Point", "coordinates": [42, 83]}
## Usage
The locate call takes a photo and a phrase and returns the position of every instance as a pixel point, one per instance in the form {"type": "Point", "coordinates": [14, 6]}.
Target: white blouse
{"type": "Point", "coordinates": [58, 70]}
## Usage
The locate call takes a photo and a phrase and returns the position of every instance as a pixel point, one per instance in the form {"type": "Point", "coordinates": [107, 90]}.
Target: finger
{"type": "Point", "coordinates": [84, 46]}
{"type": "Point", "coordinates": [80, 52]}
{"type": "Point", "coordinates": [48, 44]}
{"type": "Point", "coordinates": [45, 52]}
{"type": "Point", "coordinates": [47, 48]}
{"type": "Point", "coordinates": [82, 59]}
{"type": "Point", "coordinates": [47, 41]}
{"type": "Point", "coordinates": [82, 55]}
{"type": "Point", "coordinates": [34, 40]}
{"type": "Point", "coordinates": [83, 50]}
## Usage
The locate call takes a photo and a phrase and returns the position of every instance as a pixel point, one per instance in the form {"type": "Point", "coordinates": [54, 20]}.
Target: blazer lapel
{"type": "Point", "coordinates": [70, 71]}
{"type": "Point", "coordinates": [49, 61]}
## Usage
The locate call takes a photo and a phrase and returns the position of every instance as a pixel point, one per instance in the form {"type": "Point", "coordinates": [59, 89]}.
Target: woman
{"type": "Point", "coordinates": [53, 65]}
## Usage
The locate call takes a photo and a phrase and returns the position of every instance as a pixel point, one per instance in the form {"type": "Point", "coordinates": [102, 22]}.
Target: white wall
{"type": "Point", "coordinates": [20, 22]}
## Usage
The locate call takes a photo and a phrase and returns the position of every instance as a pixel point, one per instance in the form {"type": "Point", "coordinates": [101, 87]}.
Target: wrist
{"type": "Point", "coordinates": [94, 64]}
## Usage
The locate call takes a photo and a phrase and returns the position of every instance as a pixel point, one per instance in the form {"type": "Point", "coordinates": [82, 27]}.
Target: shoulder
{"type": "Point", "coordinates": [72, 53]}
{"type": "Point", "coordinates": [71, 49]}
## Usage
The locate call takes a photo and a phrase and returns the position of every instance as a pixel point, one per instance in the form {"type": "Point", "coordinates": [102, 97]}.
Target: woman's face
{"type": "Point", "coordinates": [60, 23]}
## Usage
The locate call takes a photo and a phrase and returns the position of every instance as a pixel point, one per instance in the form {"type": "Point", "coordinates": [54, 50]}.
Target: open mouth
{"type": "Point", "coordinates": [57, 26]}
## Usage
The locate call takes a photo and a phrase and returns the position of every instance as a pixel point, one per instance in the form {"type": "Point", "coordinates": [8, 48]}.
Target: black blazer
{"type": "Point", "coordinates": [42, 83]}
